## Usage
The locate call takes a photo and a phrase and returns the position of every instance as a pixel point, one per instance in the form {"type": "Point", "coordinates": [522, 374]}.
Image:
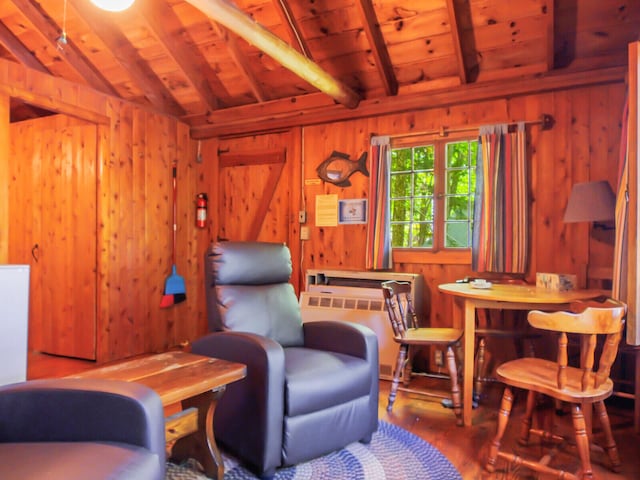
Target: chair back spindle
{"type": "Point", "coordinates": [562, 360]}
{"type": "Point", "coordinates": [397, 297]}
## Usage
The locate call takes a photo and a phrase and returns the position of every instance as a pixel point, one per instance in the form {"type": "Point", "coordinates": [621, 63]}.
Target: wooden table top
{"type": "Point", "coordinates": [175, 376]}
{"type": "Point", "coordinates": [504, 292]}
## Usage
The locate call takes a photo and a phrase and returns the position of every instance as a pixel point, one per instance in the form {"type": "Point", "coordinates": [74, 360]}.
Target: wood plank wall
{"type": "Point", "coordinates": [136, 148]}
{"type": "Point", "coordinates": [136, 151]}
{"type": "Point", "coordinates": [583, 145]}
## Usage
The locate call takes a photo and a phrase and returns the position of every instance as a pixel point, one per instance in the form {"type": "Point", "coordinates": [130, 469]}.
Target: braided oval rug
{"type": "Point", "coordinates": [393, 454]}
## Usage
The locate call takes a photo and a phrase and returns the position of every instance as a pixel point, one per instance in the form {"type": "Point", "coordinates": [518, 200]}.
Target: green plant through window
{"type": "Point", "coordinates": [432, 194]}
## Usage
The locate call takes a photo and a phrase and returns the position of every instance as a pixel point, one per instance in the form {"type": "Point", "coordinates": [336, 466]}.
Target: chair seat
{"type": "Point", "coordinates": [541, 376]}
{"type": "Point", "coordinates": [318, 379]}
{"type": "Point", "coordinates": [428, 336]}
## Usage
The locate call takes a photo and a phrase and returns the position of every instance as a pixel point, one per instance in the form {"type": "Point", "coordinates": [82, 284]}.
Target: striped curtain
{"type": "Point", "coordinates": [622, 265]}
{"type": "Point", "coordinates": [378, 228]}
{"type": "Point", "coordinates": [619, 286]}
{"type": "Point", "coordinates": [501, 220]}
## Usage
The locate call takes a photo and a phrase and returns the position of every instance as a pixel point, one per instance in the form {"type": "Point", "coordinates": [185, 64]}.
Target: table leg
{"type": "Point", "coordinates": [201, 445]}
{"type": "Point", "coordinates": [469, 340]}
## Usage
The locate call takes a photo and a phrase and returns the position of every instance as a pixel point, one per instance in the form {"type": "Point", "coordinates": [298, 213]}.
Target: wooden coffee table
{"type": "Point", "coordinates": [194, 381]}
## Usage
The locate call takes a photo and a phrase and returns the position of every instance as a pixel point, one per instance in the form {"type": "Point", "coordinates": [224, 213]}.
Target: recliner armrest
{"type": "Point", "coordinates": [72, 410]}
{"type": "Point", "coordinates": [249, 414]}
{"type": "Point", "coordinates": [342, 337]}
{"type": "Point", "coordinates": [350, 339]}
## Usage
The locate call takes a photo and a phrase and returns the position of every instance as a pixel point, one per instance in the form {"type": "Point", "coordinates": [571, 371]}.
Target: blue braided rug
{"type": "Point", "coordinates": [393, 454]}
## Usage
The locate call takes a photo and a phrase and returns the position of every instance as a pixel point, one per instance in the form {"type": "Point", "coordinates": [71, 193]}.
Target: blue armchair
{"type": "Point", "coordinates": [76, 429]}
{"type": "Point", "coordinates": [310, 388]}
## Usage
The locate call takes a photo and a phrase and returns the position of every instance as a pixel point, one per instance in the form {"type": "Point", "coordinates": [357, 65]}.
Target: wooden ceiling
{"type": "Point", "coordinates": [172, 56]}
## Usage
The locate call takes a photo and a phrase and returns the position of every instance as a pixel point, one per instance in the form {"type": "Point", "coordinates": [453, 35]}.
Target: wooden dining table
{"type": "Point", "coordinates": [502, 297]}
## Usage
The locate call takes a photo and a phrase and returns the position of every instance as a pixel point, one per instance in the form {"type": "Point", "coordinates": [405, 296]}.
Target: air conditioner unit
{"type": "Point", "coordinates": [353, 296]}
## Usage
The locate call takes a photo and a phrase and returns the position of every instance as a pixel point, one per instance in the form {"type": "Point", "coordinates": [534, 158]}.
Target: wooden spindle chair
{"type": "Point", "coordinates": [578, 386]}
{"type": "Point", "coordinates": [408, 333]}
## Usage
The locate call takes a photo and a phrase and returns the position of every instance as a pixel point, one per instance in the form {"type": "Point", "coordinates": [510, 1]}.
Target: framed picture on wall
{"type": "Point", "coordinates": [352, 211]}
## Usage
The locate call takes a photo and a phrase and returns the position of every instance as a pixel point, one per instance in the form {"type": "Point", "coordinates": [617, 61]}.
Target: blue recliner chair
{"type": "Point", "coordinates": [79, 429]}
{"type": "Point", "coordinates": [310, 388]}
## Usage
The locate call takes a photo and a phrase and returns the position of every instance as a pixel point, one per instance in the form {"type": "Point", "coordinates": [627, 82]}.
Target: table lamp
{"type": "Point", "coordinates": [591, 202]}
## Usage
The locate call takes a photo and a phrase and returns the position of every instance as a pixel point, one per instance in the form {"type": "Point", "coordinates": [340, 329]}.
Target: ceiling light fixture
{"type": "Point", "coordinates": [113, 5]}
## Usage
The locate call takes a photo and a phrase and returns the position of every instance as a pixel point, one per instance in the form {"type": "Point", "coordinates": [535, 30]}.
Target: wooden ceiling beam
{"type": "Point", "coordinates": [169, 30]}
{"type": "Point", "coordinates": [254, 33]}
{"type": "Point", "coordinates": [71, 54]}
{"type": "Point", "coordinates": [18, 50]}
{"type": "Point", "coordinates": [457, 44]}
{"type": "Point", "coordinates": [293, 28]}
{"type": "Point", "coordinates": [241, 61]}
{"type": "Point", "coordinates": [378, 46]}
{"type": "Point", "coordinates": [281, 114]}
{"type": "Point", "coordinates": [127, 56]}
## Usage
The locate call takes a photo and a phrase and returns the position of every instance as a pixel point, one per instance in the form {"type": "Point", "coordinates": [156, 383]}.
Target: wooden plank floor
{"type": "Point", "coordinates": [466, 448]}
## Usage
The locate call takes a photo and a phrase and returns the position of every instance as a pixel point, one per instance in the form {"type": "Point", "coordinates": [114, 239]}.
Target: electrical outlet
{"type": "Point", "coordinates": [304, 233]}
{"type": "Point", "coordinates": [439, 358]}
{"type": "Point", "coordinates": [302, 216]}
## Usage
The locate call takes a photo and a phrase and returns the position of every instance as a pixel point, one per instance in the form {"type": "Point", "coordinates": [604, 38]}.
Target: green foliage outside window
{"type": "Point", "coordinates": [415, 210]}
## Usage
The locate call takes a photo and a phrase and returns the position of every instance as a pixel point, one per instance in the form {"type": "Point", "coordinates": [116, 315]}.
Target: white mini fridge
{"type": "Point", "coordinates": [14, 321]}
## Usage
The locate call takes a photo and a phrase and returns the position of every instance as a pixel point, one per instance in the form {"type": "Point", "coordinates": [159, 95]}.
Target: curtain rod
{"type": "Point", "coordinates": [545, 120]}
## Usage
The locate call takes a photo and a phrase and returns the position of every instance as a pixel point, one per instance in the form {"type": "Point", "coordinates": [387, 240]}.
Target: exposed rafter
{"type": "Point", "coordinates": [169, 30]}
{"type": "Point", "coordinates": [457, 44]}
{"type": "Point", "coordinates": [241, 61]}
{"type": "Point", "coordinates": [378, 47]}
{"type": "Point", "coordinates": [289, 21]}
{"type": "Point", "coordinates": [18, 50]}
{"type": "Point", "coordinates": [140, 72]}
{"type": "Point", "coordinates": [71, 54]}
{"type": "Point", "coordinates": [254, 33]}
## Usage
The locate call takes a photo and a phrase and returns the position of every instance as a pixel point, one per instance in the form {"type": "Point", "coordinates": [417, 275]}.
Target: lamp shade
{"type": "Point", "coordinates": [591, 202]}
{"type": "Point", "coordinates": [113, 5]}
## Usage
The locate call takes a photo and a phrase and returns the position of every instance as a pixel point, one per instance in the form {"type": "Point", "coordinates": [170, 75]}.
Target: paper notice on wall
{"type": "Point", "coordinates": [327, 210]}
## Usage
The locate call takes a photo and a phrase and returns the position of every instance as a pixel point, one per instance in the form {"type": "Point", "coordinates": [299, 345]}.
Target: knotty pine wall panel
{"type": "Point", "coordinates": [136, 149]}
{"type": "Point", "coordinates": [138, 237]}
{"type": "Point", "coordinates": [280, 222]}
{"type": "Point", "coordinates": [583, 145]}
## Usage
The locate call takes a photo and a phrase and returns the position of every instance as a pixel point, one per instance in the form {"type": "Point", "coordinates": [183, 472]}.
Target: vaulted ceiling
{"type": "Point", "coordinates": [191, 59]}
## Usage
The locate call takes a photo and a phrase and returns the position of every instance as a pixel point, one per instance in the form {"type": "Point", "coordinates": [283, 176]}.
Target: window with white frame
{"type": "Point", "coordinates": [432, 193]}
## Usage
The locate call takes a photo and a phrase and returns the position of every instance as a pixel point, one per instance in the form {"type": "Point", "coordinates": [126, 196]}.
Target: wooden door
{"type": "Point", "coordinates": [52, 208]}
{"type": "Point", "coordinates": [254, 201]}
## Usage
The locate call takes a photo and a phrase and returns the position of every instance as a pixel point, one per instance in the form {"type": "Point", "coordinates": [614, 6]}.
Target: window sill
{"type": "Point", "coordinates": [443, 257]}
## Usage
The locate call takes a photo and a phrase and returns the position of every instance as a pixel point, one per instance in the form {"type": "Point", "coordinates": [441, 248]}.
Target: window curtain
{"type": "Point", "coordinates": [621, 260]}
{"type": "Point", "coordinates": [378, 228]}
{"type": "Point", "coordinates": [501, 223]}
{"type": "Point", "coordinates": [619, 286]}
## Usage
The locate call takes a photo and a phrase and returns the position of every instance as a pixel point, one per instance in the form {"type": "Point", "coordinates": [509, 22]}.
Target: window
{"type": "Point", "coordinates": [432, 193]}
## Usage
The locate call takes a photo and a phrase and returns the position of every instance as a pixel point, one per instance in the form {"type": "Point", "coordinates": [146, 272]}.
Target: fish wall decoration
{"type": "Point", "coordinates": [339, 167]}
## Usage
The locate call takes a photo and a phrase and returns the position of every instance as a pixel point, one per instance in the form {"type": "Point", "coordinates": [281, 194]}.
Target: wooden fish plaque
{"type": "Point", "coordinates": [339, 167]}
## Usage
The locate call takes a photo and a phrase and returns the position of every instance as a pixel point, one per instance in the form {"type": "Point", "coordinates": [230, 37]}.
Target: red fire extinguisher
{"type": "Point", "coordinates": [201, 210]}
